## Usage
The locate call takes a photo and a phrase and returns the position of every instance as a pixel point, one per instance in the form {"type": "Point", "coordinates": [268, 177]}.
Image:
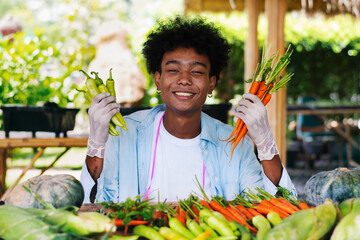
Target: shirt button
{"type": "Point", "coordinates": [203, 144]}
{"type": "Point", "coordinates": [216, 179]}
{"type": "Point", "coordinates": [205, 151]}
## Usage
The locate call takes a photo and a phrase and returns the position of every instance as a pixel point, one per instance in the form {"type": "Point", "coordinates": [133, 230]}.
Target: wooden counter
{"type": "Point", "coordinates": [7, 144]}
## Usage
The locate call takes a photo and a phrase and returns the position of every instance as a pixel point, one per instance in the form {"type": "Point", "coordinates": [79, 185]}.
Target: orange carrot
{"type": "Point", "coordinates": [239, 137]}
{"type": "Point", "coordinates": [239, 217]}
{"type": "Point", "coordinates": [205, 204]}
{"type": "Point", "coordinates": [244, 211]}
{"type": "Point", "coordinates": [284, 201]}
{"type": "Point", "coordinates": [120, 222]}
{"type": "Point", "coordinates": [183, 214]}
{"type": "Point", "coordinates": [231, 208]}
{"type": "Point", "coordinates": [177, 209]}
{"type": "Point", "coordinates": [195, 209]}
{"type": "Point", "coordinates": [303, 205]}
{"type": "Point", "coordinates": [276, 209]}
{"type": "Point", "coordinates": [265, 209]}
{"type": "Point", "coordinates": [266, 99]}
{"type": "Point", "coordinates": [282, 206]}
{"type": "Point", "coordinates": [181, 219]}
{"type": "Point", "coordinates": [254, 87]}
{"type": "Point", "coordinates": [263, 88]}
{"type": "Point", "coordinates": [217, 207]}
{"type": "Point", "coordinates": [238, 125]}
{"type": "Point", "coordinates": [254, 212]}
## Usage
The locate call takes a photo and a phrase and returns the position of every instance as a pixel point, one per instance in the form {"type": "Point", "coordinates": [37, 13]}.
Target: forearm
{"type": "Point", "coordinates": [273, 169]}
{"type": "Point", "coordinates": [94, 166]}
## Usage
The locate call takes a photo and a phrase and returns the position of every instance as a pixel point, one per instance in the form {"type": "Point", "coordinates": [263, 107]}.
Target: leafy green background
{"type": "Point", "coordinates": [41, 63]}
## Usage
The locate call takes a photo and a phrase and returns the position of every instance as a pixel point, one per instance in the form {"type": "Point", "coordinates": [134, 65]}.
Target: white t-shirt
{"type": "Point", "coordinates": [177, 163]}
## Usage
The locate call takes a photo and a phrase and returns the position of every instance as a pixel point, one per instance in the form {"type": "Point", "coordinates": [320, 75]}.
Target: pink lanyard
{"type": "Point", "coordinates": [153, 165]}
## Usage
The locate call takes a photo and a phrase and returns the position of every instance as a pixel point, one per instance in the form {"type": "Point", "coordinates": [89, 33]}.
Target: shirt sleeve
{"type": "Point", "coordinates": [87, 183]}
{"type": "Point", "coordinates": [284, 182]}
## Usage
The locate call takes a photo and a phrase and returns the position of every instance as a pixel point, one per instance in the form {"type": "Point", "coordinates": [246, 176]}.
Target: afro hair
{"type": "Point", "coordinates": [180, 31]}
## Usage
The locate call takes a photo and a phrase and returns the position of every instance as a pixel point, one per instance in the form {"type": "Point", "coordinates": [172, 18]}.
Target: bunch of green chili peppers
{"type": "Point", "coordinates": [95, 86]}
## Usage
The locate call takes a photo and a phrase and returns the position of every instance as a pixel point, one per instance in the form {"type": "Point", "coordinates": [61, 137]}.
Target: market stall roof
{"type": "Point", "coordinates": [328, 7]}
{"type": "Point", "coordinates": [275, 11]}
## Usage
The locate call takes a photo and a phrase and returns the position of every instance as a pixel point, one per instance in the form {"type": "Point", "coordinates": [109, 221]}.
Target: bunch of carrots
{"type": "Point", "coordinates": [265, 82]}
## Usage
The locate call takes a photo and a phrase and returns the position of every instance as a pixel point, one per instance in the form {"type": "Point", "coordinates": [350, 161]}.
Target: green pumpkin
{"type": "Point", "coordinates": [338, 185]}
{"type": "Point", "coordinates": [59, 190]}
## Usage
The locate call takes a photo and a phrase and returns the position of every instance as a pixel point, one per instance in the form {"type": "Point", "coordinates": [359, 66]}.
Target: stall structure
{"type": "Point", "coordinates": [6, 144]}
{"type": "Point", "coordinates": [275, 11]}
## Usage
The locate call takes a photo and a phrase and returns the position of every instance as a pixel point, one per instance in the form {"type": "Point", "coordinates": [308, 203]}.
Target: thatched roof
{"type": "Point", "coordinates": [328, 7]}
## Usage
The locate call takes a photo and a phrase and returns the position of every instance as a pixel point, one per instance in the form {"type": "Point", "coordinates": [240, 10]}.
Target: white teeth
{"type": "Point", "coordinates": [185, 94]}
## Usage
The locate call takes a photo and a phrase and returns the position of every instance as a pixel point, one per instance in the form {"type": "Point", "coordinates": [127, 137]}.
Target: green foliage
{"type": "Point", "coordinates": [325, 60]}
{"type": "Point", "coordinates": [21, 59]}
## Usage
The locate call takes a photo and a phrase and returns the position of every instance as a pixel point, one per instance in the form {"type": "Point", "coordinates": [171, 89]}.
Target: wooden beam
{"type": "Point", "coordinates": [251, 44]}
{"type": "Point", "coordinates": [43, 142]}
{"type": "Point", "coordinates": [275, 13]}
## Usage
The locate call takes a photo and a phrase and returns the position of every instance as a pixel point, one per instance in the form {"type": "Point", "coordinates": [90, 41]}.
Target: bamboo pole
{"type": "Point", "coordinates": [251, 44]}
{"type": "Point", "coordinates": [275, 13]}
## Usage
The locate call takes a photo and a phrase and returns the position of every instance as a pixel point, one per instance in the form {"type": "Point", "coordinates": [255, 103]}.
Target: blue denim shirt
{"type": "Point", "coordinates": [127, 161]}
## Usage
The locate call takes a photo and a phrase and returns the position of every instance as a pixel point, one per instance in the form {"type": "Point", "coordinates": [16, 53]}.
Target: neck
{"type": "Point", "coordinates": [183, 126]}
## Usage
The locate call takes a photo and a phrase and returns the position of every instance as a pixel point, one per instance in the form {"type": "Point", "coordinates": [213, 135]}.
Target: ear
{"type": "Point", "coordinates": [157, 79]}
{"type": "Point", "coordinates": [212, 84]}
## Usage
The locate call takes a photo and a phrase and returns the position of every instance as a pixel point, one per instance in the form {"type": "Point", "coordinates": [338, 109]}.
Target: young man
{"type": "Point", "coordinates": [171, 145]}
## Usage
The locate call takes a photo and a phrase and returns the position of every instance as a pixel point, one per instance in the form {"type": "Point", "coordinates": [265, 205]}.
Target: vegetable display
{"type": "Point", "coordinates": [312, 223]}
{"type": "Point", "coordinates": [51, 223]}
{"type": "Point", "coordinates": [254, 214]}
{"type": "Point", "coordinates": [59, 190]}
{"type": "Point", "coordinates": [95, 86]}
{"type": "Point", "coordinates": [338, 185]}
{"type": "Point", "coordinates": [265, 82]}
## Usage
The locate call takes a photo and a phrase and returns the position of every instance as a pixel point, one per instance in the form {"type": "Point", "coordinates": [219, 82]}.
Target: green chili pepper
{"type": "Point", "coordinates": [86, 94]}
{"type": "Point", "coordinates": [98, 80]}
{"type": "Point", "coordinates": [117, 119]}
{"type": "Point", "coordinates": [206, 227]}
{"type": "Point", "coordinates": [90, 85]}
{"type": "Point", "coordinates": [117, 237]}
{"type": "Point", "coordinates": [245, 232]}
{"type": "Point", "coordinates": [219, 226]}
{"type": "Point", "coordinates": [263, 226]}
{"type": "Point", "coordinates": [204, 213]}
{"type": "Point", "coordinates": [194, 227]}
{"type": "Point", "coordinates": [176, 225]}
{"type": "Point", "coordinates": [274, 218]}
{"type": "Point", "coordinates": [147, 232]}
{"type": "Point", "coordinates": [112, 129]}
{"type": "Point", "coordinates": [102, 88]}
{"type": "Point", "coordinates": [171, 234]}
{"type": "Point", "coordinates": [110, 84]}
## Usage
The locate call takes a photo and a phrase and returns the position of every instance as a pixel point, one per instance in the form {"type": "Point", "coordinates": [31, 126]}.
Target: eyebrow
{"type": "Point", "coordinates": [193, 63]}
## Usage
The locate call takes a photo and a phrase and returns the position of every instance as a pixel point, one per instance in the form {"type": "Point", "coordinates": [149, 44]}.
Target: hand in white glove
{"type": "Point", "coordinates": [102, 108]}
{"type": "Point", "coordinates": [254, 114]}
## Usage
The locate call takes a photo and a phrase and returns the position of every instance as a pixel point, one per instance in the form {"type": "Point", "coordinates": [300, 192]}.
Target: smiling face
{"type": "Point", "coordinates": [184, 80]}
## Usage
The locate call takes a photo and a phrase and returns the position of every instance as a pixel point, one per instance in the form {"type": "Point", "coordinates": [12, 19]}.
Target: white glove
{"type": "Point", "coordinates": [102, 108]}
{"type": "Point", "coordinates": [254, 115]}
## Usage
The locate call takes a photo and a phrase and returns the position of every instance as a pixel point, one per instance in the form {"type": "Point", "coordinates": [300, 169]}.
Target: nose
{"type": "Point", "coordinates": [185, 78]}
